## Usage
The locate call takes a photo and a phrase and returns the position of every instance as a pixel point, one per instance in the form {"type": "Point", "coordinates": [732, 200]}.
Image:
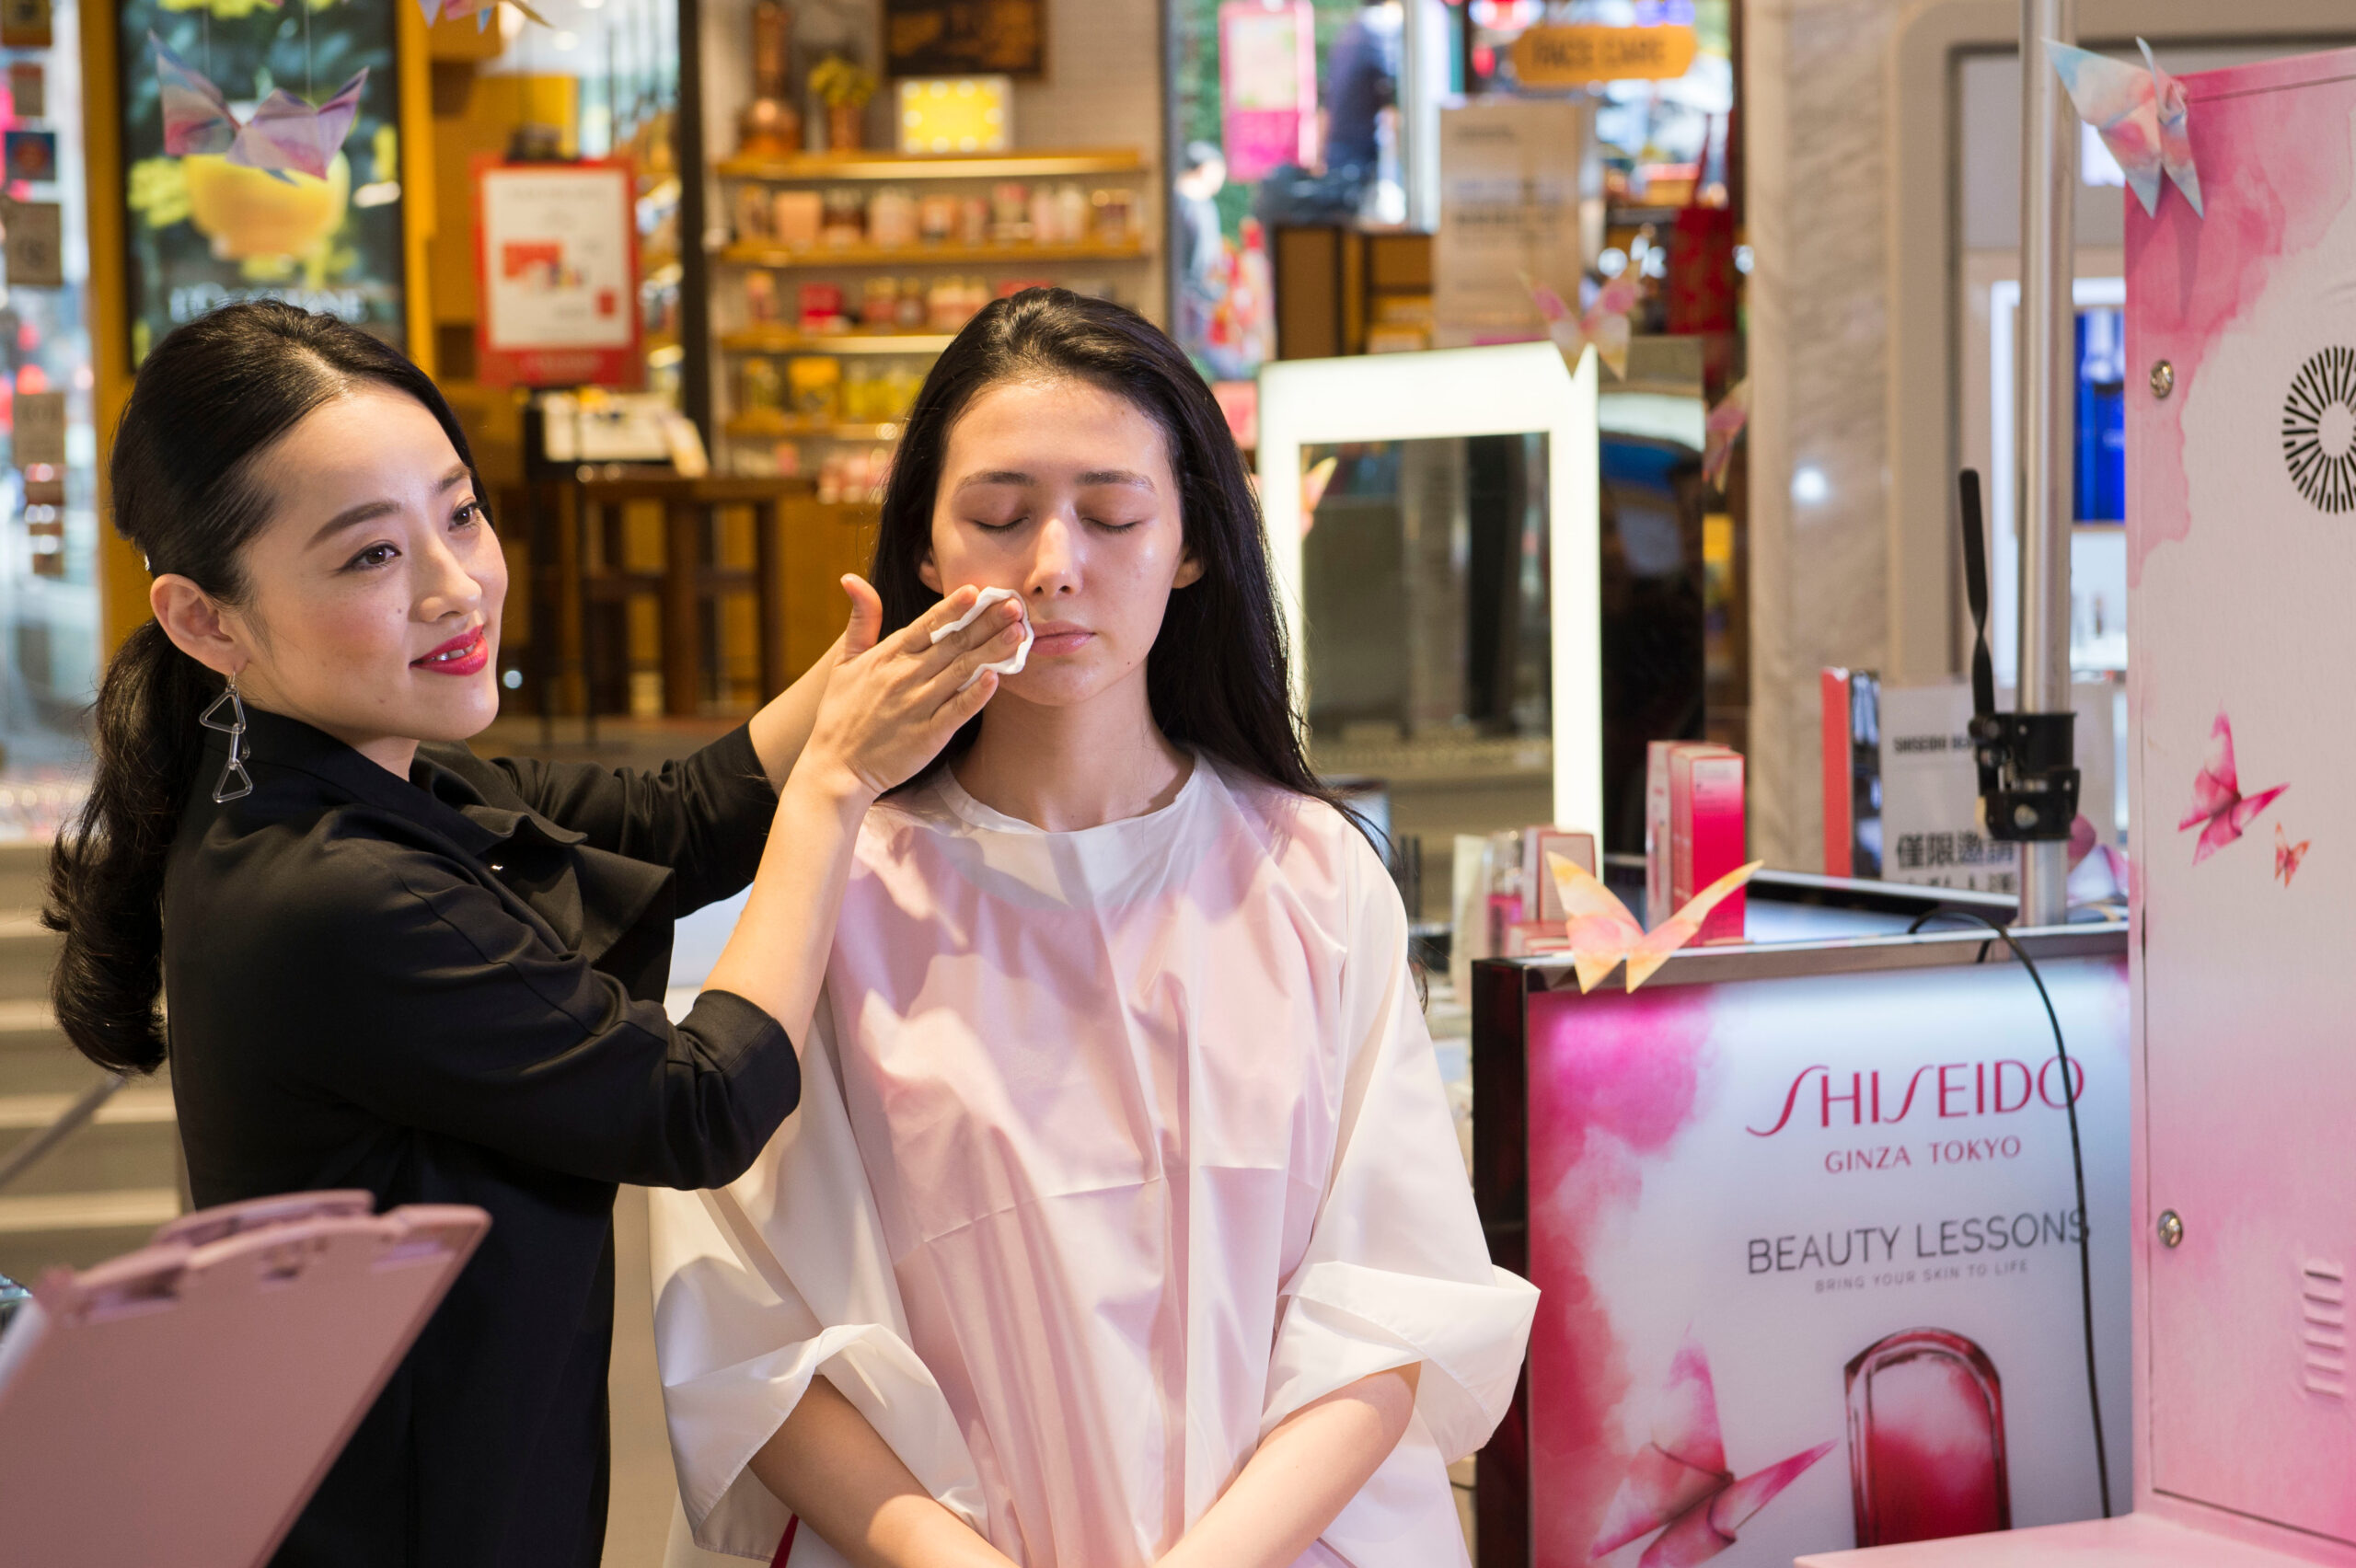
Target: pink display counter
{"type": "Point", "coordinates": [2241, 430]}
{"type": "Point", "coordinates": [1803, 1216]}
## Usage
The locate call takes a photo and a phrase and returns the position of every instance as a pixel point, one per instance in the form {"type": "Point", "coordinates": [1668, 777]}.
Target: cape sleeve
{"type": "Point", "coordinates": [1396, 1271]}
{"type": "Point", "coordinates": [779, 1277]}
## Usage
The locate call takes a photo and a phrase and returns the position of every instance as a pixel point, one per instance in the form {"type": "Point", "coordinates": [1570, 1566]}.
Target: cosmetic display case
{"type": "Point", "coordinates": [1804, 1216]}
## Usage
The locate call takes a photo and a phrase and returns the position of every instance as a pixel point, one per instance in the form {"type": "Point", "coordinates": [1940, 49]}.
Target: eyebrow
{"type": "Point", "coordinates": [369, 510]}
{"type": "Point", "coordinates": [1094, 476]}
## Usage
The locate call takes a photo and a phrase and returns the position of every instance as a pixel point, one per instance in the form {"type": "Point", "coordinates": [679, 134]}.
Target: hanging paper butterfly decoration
{"type": "Point", "coordinates": [284, 133]}
{"type": "Point", "coordinates": [1722, 428]}
{"type": "Point", "coordinates": [1602, 327]}
{"type": "Point", "coordinates": [2142, 116]}
{"type": "Point", "coordinates": [481, 10]}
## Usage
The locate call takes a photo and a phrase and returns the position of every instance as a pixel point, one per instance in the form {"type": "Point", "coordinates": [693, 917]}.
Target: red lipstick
{"type": "Point", "coordinates": [465, 654]}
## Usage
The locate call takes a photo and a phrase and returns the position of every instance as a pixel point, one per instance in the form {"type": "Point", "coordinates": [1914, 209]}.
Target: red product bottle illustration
{"type": "Point", "coordinates": [1926, 1439]}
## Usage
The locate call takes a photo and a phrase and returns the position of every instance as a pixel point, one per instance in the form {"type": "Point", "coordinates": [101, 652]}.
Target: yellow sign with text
{"type": "Point", "coordinates": [1580, 56]}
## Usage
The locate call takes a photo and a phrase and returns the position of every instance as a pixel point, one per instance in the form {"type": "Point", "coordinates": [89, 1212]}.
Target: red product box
{"type": "Point", "coordinates": [1706, 832]}
{"type": "Point", "coordinates": [820, 302]}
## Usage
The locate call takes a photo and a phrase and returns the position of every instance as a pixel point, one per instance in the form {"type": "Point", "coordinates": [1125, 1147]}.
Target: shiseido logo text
{"type": "Point", "coordinates": [1942, 1088]}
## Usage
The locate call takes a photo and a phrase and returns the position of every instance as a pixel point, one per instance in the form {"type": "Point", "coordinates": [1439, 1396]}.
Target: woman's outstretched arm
{"type": "Point", "coordinates": [827, 1465]}
{"type": "Point", "coordinates": [782, 727]}
{"type": "Point", "coordinates": [1301, 1477]}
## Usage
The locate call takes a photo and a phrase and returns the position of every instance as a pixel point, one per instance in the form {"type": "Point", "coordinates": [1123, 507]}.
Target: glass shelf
{"type": "Point", "coordinates": [921, 255]}
{"type": "Point", "coordinates": [785, 341]}
{"type": "Point", "coordinates": [820, 167]}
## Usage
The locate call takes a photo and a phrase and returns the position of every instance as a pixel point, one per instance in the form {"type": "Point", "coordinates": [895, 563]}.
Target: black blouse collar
{"type": "Point", "coordinates": [295, 763]}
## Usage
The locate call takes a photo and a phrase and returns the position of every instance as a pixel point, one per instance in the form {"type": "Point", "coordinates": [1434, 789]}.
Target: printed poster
{"type": "Point", "coordinates": [556, 259]}
{"type": "Point", "coordinates": [1930, 787]}
{"type": "Point", "coordinates": [1268, 61]}
{"type": "Point", "coordinates": [1808, 1256]}
{"type": "Point", "coordinates": [1512, 177]}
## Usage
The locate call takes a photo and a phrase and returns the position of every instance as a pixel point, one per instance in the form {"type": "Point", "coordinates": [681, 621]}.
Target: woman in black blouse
{"type": "Point", "coordinates": [390, 965]}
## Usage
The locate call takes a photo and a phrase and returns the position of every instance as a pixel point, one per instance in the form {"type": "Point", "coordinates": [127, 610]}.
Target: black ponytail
{"type": "Point", "coordinates": [212, 398]}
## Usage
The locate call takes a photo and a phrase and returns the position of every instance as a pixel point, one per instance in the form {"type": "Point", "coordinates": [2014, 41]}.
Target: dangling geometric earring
{"type": "Point", "coordinates": [235, 730]}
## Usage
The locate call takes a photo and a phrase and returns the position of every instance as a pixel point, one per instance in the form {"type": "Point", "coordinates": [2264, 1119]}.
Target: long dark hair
{"type": "Point", "coordinates": [1217, 676]}
{"type": "Point", "coordinates": [212, 398]}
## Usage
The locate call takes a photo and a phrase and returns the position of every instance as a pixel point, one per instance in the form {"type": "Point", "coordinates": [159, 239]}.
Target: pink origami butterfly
{"type": "Point", "coordinates": [2141, 117]}
{"type": "Point", "coordinates": [1719, 430]}
{"type": "Point", "coordinates": [1602, 933]}
{"type": "Point", "coordinates": [2220, 810]}
{"type": "Point", "coordinates": [1603, 327]}
{"type": "Point", "coordinates": [481, 10]}
{"type": "Point", "coordinates": [285, 133]}
{"type": "Point", "coordinates": [2288, 855]}
{"type": "Point", "coordinates": [1679, 1484]}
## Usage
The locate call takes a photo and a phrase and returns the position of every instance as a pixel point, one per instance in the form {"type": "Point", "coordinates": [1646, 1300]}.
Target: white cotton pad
{"type": "Point", "coordinates": [1012, 666]}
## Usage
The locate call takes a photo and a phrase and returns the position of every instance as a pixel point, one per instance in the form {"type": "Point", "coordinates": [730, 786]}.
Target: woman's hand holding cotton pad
{"type": "Point", "coordinates": [1008, 666]}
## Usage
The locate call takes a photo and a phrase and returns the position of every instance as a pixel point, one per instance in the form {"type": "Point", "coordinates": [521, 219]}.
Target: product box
{"type": "Point", "coordinates": [1852, 750]}
{"type": "Point", "coordinates": [1656, 906]}
{"type": "Point", "coordinates": [1541, 900]}
{"type": "Point", "coordinates": [1706, 832]}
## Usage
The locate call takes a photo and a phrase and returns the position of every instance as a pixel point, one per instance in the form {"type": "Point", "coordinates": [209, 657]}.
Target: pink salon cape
{"type": "Point", "coordinates": [1115, 1148]}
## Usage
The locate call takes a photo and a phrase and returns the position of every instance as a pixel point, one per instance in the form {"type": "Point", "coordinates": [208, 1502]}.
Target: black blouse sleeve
{"type": "Point", "coordinates": [705, 816]}
{"type": "Point", "coordinates": [424, 1001]}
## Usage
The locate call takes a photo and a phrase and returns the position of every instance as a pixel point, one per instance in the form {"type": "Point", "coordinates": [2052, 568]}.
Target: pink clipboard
{"type": "Point", "coordinates": [180, 1404]}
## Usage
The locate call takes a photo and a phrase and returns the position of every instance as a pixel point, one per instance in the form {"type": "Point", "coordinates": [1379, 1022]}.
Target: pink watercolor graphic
{"type": "Point", "coordinates": [1602, 933]}
{"type": "Point", "coordinates": [2287, 855]}
{"type": "Point", "coordinates": [1611, 1087]}
{"type": "Point", "coordinates": [1679, 1482]}
{"type": "Point", "coordinates": [2188, 281]}
{"type": "Point", "coordinates": [1926, 1440]}
{"type": "Point", "coordinates": [2220, 810]}
{"type": "Point", "coordinates": [2142, 116]}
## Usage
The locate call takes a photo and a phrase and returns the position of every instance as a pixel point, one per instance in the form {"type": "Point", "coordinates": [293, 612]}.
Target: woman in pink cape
{"type": "Point", "coordinates": [1123, 1222]}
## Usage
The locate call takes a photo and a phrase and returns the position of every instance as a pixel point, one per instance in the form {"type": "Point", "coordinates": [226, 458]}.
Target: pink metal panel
{"type": "Point", "coordinates": [2242, 543]}
{"type": "Point", "coordinates": [179, 1404]}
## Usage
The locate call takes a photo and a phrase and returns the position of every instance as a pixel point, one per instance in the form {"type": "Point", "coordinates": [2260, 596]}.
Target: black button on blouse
{"type": "Point", "coordinates": [448, 988]}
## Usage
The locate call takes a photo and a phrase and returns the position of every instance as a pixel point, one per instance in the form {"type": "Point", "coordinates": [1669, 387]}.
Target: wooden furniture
{"type": "Point", "coordinates": [583, 580]}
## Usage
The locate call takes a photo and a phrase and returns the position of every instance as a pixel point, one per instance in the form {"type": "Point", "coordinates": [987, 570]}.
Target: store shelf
{"type": "Point", "coordinates": [785, 341]}
{"type": "Point", "coordinates": [780, 427]}
{"type": "Point", "coordinates": [925, 255]}
{"type": "Point", "coordinates": [820, 166]}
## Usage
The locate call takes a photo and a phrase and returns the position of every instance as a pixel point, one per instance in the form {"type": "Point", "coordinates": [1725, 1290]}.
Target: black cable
{"type": "Point", "coordinates": [2078, 1169]}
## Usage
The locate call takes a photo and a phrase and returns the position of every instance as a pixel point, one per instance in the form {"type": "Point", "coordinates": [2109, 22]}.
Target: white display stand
{"type": "Point", "coordinates": [1503, 390]}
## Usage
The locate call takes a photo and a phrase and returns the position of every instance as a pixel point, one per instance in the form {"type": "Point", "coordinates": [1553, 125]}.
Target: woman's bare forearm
{"type": "Point", "coordinates": [1301, 1477]}
{"type": "Point", "coordinates": [782, 726]}
{"type": "Point", "coordinates": [845, 1482]}
{"type": "Point", "coordinates": [775, 958]}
